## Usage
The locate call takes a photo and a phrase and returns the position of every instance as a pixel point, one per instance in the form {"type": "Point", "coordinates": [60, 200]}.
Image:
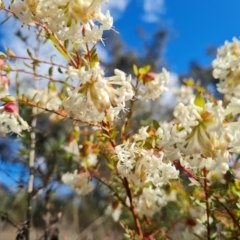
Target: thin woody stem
{"type": "Point", "coordinates": [214, 196]}
{"type": "Point", "coordinates": [132, 208]}
{"type": "Point", "coordinates": [37, 61]}
{"type": "Point", "coordinates": [207, 203]}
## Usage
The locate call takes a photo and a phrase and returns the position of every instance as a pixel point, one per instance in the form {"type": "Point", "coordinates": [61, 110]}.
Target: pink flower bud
{"type": "Point", "coordinates": [1, 64]}
{"type": "Point", "coordinates": [148, 77]}
{"type": "Point", "coordinates": [11, 107]}
{"type": "Point", "coordinates": [4, 79]}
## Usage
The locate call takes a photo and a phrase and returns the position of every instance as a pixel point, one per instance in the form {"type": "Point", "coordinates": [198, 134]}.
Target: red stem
{"type": "Point", "coordinates": [207, 203]}
{"type": "Point", "coordinates": [132, 207]}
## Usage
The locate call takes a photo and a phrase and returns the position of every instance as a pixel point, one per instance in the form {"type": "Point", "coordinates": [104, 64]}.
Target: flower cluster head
{"type": "Point", "coordinates": [97, 96]}
{"type": "Point", "coordinates": [80, 182]}
{"type": "Point", "coordinates": [152, 200]}
{"type": "Point", "coordinates": [199, 135]}
{"type": "Point", "coordinates": [46, 98]}
{"type": "Point", "coordinates": [10, 120]}
{"type": "Point", "coordinates": [72, 20]}
{"type": "Point", "coordinates": [154, 85]}
{"type": "Point", "coordinates": [80, 153]}
{"type": "Point", "coordinates": [184, 94]}
{"type": "Point", "coordinates": [226, 68]}
{"type": "Point", "coordinates": [143, 165]}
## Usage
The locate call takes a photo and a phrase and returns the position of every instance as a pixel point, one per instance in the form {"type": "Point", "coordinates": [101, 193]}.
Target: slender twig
{"type": "Point", "coordinates": [37, 61]}
{"type": "Point", "coordinates": [228, 211]}
{"type": "Point", "coordinates": [5, 217]}
{"type": "Point", "coordinates": [132, 207]}
{"type": "Point", "coordinates": [156, 230]}
{"type": "Point", "coordinates": [38, 75]}
{"type": "Point", "coordinates": [214, 196]}
{"type": "Point", "coordinates": [60, 113]}
{"type": "Point", "coordinates": [110, 188]}
{"type": "Point", "coordinates": [207, 203]}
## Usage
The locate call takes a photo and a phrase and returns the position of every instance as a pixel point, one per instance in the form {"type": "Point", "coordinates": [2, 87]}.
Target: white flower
{"type": "Point", "coordinates": [154, 85]}
{"type": "Point", "coordinates": [10, 120]}
{"type": "Point", "coordinates": [201, 135]}
{"type": "Point", "coordinates": [97, 96]}
{"type": "Point", "coordinates": [73, 148]}
{"type": "Point", "coordinates": [91, 161]}
{"type": "Point", "coordinates": [184, 94]}
{"type": "Point", "coordinates": [152, 200]}
{"type": "Point", "coordinates": [47, 98]}
{"type": "Point", "coordinates": [115, 210]}
{"type": "Point", "coordinates": [73, 20]}
{"type": "Point", "coordinates": [143, 134]}
{"type": "Point", "coordinates": [143, 166]}
{"type": "Point", "coordinates": [226, 68]}
{"type": "Point", "coordinates": [200, 131]}
{"type": "Point", "coordinates": [79, 182]}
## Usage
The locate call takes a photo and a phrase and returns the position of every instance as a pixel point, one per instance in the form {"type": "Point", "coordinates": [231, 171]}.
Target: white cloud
{"type": "Point", "coordinates": [152, 10]}
{"type": "Point", "coordinates": [116, 7]}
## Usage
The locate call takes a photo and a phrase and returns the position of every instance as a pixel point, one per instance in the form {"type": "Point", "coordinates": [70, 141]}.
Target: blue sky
{"type": "Point", "coordinates": [194, 25]}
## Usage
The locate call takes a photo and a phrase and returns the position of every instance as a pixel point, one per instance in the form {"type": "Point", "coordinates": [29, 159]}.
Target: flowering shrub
{"type": "Point", "coordinates": [190, 162]}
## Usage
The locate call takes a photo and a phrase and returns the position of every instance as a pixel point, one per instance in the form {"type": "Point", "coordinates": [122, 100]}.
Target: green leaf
{"type": "Point", "coordinates": [50, 71]}
{"type": "Point", "coordinates": [8, 98]}
{"type": "Point", "coordinates": [199, 101]}
{"type": "Point", "coordinates": [155, 124]}
{"type": "Point", "coordinates": [57, 45]}
{"type": "Point", "coordinates": [60, 70]}
{"type": "Point", "coordinates": [135, 69]}
{"type": "Point", "coordinates": [26, 65]}
{"type": "Point", "coordinates": [29, 53]}
{"type": "Point", "coordinates": [10, 53]}
{"type": "Point", "coordinates": [66, 42]}
{"type": "Point", "coordinates": [145, 69]}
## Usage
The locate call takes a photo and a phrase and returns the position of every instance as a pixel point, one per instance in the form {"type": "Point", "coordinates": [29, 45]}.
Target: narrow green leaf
{"type": "Point", "coordinates": [60, 70]}
{"type": "Point", "coordinates": [145, 69]}
{"type": "Point", "coordinates": [135, 69]}
{"type": "Point", "coordinates": [50, 71]}
{"type": "Point", "coordinates": [27, 65]}
{"type": "Point", "coordinates": [29, 53]}
{"type": "Point", "coordinates": [199, 101]}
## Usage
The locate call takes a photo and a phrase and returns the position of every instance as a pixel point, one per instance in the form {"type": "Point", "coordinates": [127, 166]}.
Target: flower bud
{"type": "Point", "coordinates": [11, 107]}
{"type": "Point", "coordinates": [150, 76]}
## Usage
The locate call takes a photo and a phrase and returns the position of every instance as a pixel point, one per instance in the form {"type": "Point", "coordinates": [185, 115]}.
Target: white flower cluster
{"type": "Point", "coordinates": [46, 98]}
{"type": "Point", "coordinates": [73, 20]}
{"type": "Point", "coordinates": [97, 96]}
{"type": "Point", "coordinates": [154, 85]}
{"type": "Point", "coordinates": [73, 148]}
{"type": "Point", "coordinates": [10, 120]}
{"type": "Point", "coordinates": [184, 94]}
{"type": "Point", "coordinates": [226, 68]}
{"type": "Point", "coordinates": [152, 200]}
{"type": "Point", "coordinates": [199, 137]}
{"type": "Point", "coordinates": [79, 182]}
{"type": "Point", "coordinates": [144, 166]}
